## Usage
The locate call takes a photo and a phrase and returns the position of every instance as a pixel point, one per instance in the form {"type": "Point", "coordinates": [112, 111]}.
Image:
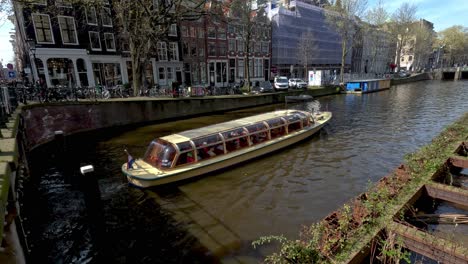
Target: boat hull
{"type": "Point", "coordinates": [145, 180]}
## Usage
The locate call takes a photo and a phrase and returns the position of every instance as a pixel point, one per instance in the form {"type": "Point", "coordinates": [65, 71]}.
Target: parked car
{"type": "Point", "coordinates": [281, 83]}
{"type": "Point", "coordinates": [262, 87]}
{"type": "Point", "coordinates": [403, 73]}
{"type": "Point", "coordinates": [297, 83]}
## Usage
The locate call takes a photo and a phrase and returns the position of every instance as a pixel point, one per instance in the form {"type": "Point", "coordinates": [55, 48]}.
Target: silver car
{"type": "Point", "coordinates": [297, 83]}
{"type": "Point", "coordinates": [281, 83]}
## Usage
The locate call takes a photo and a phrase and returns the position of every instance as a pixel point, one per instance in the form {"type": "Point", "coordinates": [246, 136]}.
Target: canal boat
{"type": "Point", "coordinates": [196, 152]}
{"type": "Point", "coordinates": [367, 86]}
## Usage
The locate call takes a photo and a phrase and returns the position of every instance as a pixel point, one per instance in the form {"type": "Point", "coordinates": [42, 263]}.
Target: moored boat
{"type": "Point", "coordinates": [195, 152]}
{"type": "Point", "coordinates": [367, 86]}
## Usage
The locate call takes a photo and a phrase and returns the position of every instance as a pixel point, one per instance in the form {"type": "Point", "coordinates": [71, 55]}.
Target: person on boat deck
{"type": "Point", "coordinates": [190, 158]}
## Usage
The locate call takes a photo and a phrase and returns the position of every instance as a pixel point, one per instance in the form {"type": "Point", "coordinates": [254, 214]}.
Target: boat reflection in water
{"type": "Point", "coordinates": [195, 152]}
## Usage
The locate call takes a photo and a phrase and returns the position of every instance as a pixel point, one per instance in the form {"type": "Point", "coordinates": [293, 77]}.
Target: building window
{"type": "Point", "coordinates": [91, 16]}
{"type": "Point", "coordinates": [42, 28]}
{"type": "Point", "coordinates": [258, 70]}
{"type": "Point", "coordinates": [173, 51]}
{"type": "Point", "coordinates": [201, 33]}
{"type": "Point", "coordinates": [203, 72]}
{"type": "Point", "coordinates": [221, 33]}
{"type": "Point", "coordinates": [173, 30]}
{"type": "Point", "coordinates": [184, 31]}
{"type": "Point", "coordinates": [222, 50]}
{"type": "Point", "coordinates": [240, 68]}
{"type": "Point", "coordinates": [106, 17]}
{"type": "Point", "coordinates": [185, 49]}
{"type": "Point", "coordinates": [211, 49]}
{"type": "Point", "coordinates": [170, 73]}
{"type": "Point", "coordinates": [240, 45]}
{"type": "Point", "coordinates": [232, 45]}
{"type": "Point", "coordinates": [258, 46]}
{"type": "Point", "coordinates": [161, 73]}
{"type": "Point", "coordinates": [265, 46]}
{"type": "Point", "coordinates": [68, 30]}
{"type": "Point", "coordinates": [109, 40]}
{"type": "Point", "coordinates": [63, 3]}
{"type": "Point", "coordinates": [193, 50]}
{"type": "Point", "coordinates": [125, 45]}
{"type": "Point", "coordinates": [201, 51]}
{"type": "Point", "coordinates": [402, 58]}
{"type": "Point", "coordinates": [94, 40]}
{"type": "Point", "coordinates": [193, 32]}
{"type": "Point", "coordinates": [162, 51]}
{"type": "Point", "coordinates": [410, 58]}
{"type": "Point", "coordinates": [231, 29]}
{"type": "Point", "coordinates": [211, 33]}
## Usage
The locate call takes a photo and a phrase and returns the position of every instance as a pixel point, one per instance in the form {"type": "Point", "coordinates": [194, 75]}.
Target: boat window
{"type": "Point", "coordinates": [293, 127]}
{"type": "Point", "coordinates": [184, 146]}
{"type": "Point", "coordinates": [207, 151]}
{"type": "Point", "coordinates": [278, 132]}
{"type": "Point", "coordinates": [234, 133]}
{"type": "Point", "coordinates": [293, 118]}
{"type": "Point", "coordinates": [211, 139]}
{"type": "Point", "coordinates": [187, 154]}
{"type": "Point", "coordinates": [160, 154]}
{"type": "Point", "coordinates": [256, 127]}
{"type": "Point", "coordinates": [186, 158]}
{"type": "Point", "coordinates": [275, 122]}
{"type": "Point", "coordinates": [259, 137]}
{"type": "Point", "coordinates": [237, 143]}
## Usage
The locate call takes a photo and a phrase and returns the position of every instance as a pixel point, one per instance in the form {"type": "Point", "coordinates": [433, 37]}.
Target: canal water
{"type": "Point", "coordinates": [367, 138]}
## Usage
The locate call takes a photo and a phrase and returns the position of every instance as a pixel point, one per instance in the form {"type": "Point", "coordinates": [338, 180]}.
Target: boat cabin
{"type": "Point", "coordinates": [201, 144]}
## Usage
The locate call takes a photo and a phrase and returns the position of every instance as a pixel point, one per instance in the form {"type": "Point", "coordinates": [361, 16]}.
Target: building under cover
{"type": "Point", "coordinates": [290, 21]}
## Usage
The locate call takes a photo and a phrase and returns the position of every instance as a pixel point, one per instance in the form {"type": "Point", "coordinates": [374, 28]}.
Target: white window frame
{"type": "Point", "coordinates": [91, 42]}
{"type": "Point", "coordinates": [88, 9]}
{"type": "Point", "coordinates": [162, 51]}
{"type": "Point", "coordinates": [63, 3]}
{"type": "Point", "coordinates": [50, 26]}
{"type": "Point", "coordinates": [74, 29]}
{"type": "Point", "coordinates": [104, 11]}
{"type": "Point", "coordinates": [173, 30]}
{"type": "Point", "coordinates": [174, 48]}
{"type": "Point", "coordinates": [113, 40]}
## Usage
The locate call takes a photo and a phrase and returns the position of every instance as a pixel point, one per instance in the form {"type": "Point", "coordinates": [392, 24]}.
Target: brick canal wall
{"type": "Point", "coordinates": [41, 121]}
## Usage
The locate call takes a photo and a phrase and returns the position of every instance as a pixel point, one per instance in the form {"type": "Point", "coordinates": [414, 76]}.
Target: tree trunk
{"type": "Point", "coordinates": [136, 73]}
{"type": "Point", "coordinates": [343, 60]}
{"type": "Point", "coordinates": [247, 67]}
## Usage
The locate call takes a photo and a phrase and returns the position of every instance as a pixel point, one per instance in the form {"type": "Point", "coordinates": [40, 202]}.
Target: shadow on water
{"type": "Point", "coordinates": [275, 194]}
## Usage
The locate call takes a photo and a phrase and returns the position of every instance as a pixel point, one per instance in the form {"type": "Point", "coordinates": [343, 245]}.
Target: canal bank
{"type": "Point", "coordinates": [42, 120]}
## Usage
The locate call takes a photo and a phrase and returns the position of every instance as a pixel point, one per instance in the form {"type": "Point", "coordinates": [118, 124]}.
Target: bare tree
{"type": "Point", "coordinates": [342, 16]}
{"type": "Point", "coordinates": [455, 42]}
{"type": "Point", "coordinates": [250, 15]}
{"type": "Point", "coordinates": [304, 50]}
{"type": "Point", "coordinates": [400, 27]}
{"type": "Point", "coordinates": [424, 37]}
{"type": "Point", "coordinates": [145, 24]}
{"type": "Point", "coordinates": [374, 31]}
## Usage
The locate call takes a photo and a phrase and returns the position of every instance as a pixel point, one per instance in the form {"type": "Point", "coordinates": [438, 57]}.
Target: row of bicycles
{"type": "Point", "coordinates": [66, 93]}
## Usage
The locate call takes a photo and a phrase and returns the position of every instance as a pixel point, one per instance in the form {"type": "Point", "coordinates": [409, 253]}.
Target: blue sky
{"type": "Point", "coordinates": [443, 14]}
